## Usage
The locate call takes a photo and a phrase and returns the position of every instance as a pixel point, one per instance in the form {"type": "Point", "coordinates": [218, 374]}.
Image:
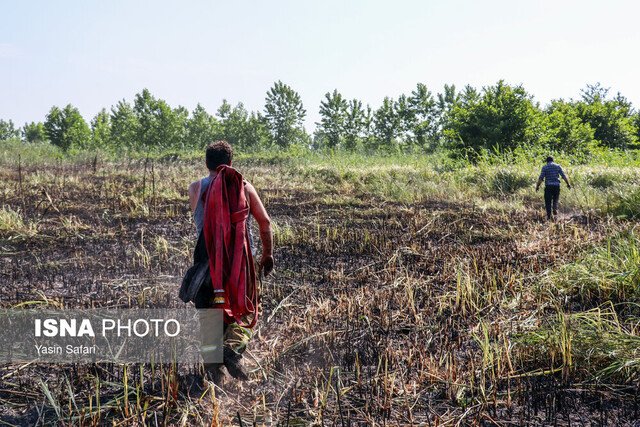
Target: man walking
{"type": "Point", "coordinates": [236, 336]}
{"type": "Point", "coordinates": [550, 174]}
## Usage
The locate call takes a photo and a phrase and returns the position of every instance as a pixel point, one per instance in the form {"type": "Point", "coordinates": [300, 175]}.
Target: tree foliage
{"type": "Point", "coordinates": [284, 114]}
{"type": "Point", "coordinates": [256, 131]}
{"type": "Point", "coordinates": [447, 100]}
{"type": "Point", "coordinates": [504, 117]}
{"type": "Point", "coordinates": [241, 128]}
{"type": "Point", "coordinates": [386, 124]}
{"type": "Point", "coordinates": [425, 115]}
{"type": "Point", "coordinates": [66, 128]}
{"type": "Point", "coordinates": [34, 132]}
{"type": "Point", "coordinates": [565, 131]}
{"type": "Point", "coordinates": [610, 119]}
{"type": "Point", "coordinates": [233, 123]}
{"type": "Point", "coordinates": [202, 128]}
{"type": "Point", "coordinates": [8, 130]}
{"type": "Point", "coordinates": [500, 117]}
{"type": "Point", "coordinates": [356, 124]}
{"type": "Point", "coordinates": [124, 125]}
{"type": "Point", "coordinates": [636, 123]}
{"type": "Point", "coordinates": [101, 129]}
{"type": "Point", "coordinates": [333, 113]}
{"type": "Point", "coordinates": [159, 126]}
{"type": "Point", "coordinates": [406, 120]}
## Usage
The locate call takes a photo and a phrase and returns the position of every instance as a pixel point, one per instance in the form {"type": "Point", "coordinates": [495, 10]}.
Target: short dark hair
{"type": "Point", "coordinates": [218, 153]}
{"type": "Point", "coordinates": [549, 159]}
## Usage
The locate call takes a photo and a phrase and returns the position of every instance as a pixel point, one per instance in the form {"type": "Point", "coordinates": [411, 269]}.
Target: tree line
{"type": "Point", "coordinates": [468, 121]}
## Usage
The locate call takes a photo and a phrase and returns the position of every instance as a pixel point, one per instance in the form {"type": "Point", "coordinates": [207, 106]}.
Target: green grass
{"type": "Point", "coordinates": [588, 345]}
{"type": "Point", "coordinates": [607, 182]}
{"type": "Point", "coordinates": [10, 219]}
{"type": "Point", "coordinates": [600, 342]}
{"type": "Point", "coordinates": [624, 204]}
{"type": "Point", "coordinates": [14, 224]}
{"type": "Point", "coordinates": [607, 272]}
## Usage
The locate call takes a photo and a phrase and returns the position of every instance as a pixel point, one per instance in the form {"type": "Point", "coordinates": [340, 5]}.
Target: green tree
{"type": "Point", "coordinates": [566, 132]}
{"type": "Point", "coordinates": [124, 125]}
{"type": "Point", "coordinates": [201, 128]}
{"type": "Point", "coordinates": [369, 128]}
{"type": "Point", "coordinates": [406, 120]}
{"type": "Point", "coordinates": [446, 101]}
{"type": "Point", "coordinates": [636, 123]}
{"type": "Point", "coordinates": [425, 113]}
{"type": "Point", "coordinates": [101, 129]}
{"type": "Point", "coordinates": [469, 96]}
{"type": "Point", "coordinates": [610, 119]}
{"type": "Point", "coordinates": [145, 107]}
{"type": "Point", "coordinates": [34, 132]}
{"type": "Point", "coordinates": [593, 94]}
{"type": "Point", "coordinates": [173, 125]}
{"type": "Point", "coordinates": [355, 125]}
{"type": "Point", "coordinates": [53, 127]}
{"type": "Point", "coordinates": [386, 124]}
{"type": "Point", "coordinates": [504, 117]}
{"type": "Point", "coordinates": [256, 131]}
{"type": "Point", "coordinates": [241, 128]}
{"type": "Point", "coordinates": [285, 115]}
{"type": "Point", "coordinates": [66, 128]}
{"type": "Point", "coordinates": [234, 123]}
{"type": "Point", "coordinates": [333, 113]}
{"type": "Point", "coordinates": [224, 110]}
{"type": "Point", "coordinates": [8, 130]}
{"type": "Point", "coordinates": [159, 126]}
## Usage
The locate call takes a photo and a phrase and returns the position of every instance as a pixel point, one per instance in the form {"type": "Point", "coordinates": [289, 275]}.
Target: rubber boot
{"type": "Point", "coordinates": [214, 372]}
{"type": "Point", "coordinates": [235, 367]}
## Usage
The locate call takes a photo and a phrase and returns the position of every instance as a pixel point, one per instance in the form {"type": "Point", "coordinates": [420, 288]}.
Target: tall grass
{"type": "Point", "coordinates": [624, 204]}
{"type": "Point", "coordinates": [588, 345]}
{"type": "Point", "coordinates": [608, 272]}
{"type": "Point", "coordinates": [607, 182]}
{"type": "Point", "coordinates": [599, 342]}
{"type": "Point", "coordinates": [38, 154]}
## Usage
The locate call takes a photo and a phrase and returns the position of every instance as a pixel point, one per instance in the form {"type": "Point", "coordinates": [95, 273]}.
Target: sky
{"type": "Point", "coordinates": [92, 54]}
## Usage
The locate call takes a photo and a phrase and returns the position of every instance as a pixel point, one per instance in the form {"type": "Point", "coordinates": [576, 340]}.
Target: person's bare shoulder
{"type": "Point", "coordinates": [249, 186]}
{"type": "Point", "coordinates": [255, 203]}
{"type": "Point", "coordinates": [249, 191]}
{"type": "Point", "coordinates": [194, 188]}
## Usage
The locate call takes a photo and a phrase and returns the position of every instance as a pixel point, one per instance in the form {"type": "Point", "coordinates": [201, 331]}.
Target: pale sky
{"type": "Point", "coordinates": [92, 53]}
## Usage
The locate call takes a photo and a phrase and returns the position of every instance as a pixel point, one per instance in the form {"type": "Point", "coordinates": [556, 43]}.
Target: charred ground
{"type": "Point", "coordinates": [406, 308]}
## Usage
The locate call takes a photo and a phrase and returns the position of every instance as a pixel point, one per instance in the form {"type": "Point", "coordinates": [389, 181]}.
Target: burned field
{"type": "Point", "coordinates": [407, 309]}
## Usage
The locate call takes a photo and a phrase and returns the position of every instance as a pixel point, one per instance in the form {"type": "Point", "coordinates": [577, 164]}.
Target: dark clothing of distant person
{"type": "Point", "coordinates": [551, 196]}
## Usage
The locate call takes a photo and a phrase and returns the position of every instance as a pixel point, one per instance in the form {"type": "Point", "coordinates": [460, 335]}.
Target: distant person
{"type": "Point", "coordinates": [237, 331]}
{"type": "Point", "coordinates": [550, 174]}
